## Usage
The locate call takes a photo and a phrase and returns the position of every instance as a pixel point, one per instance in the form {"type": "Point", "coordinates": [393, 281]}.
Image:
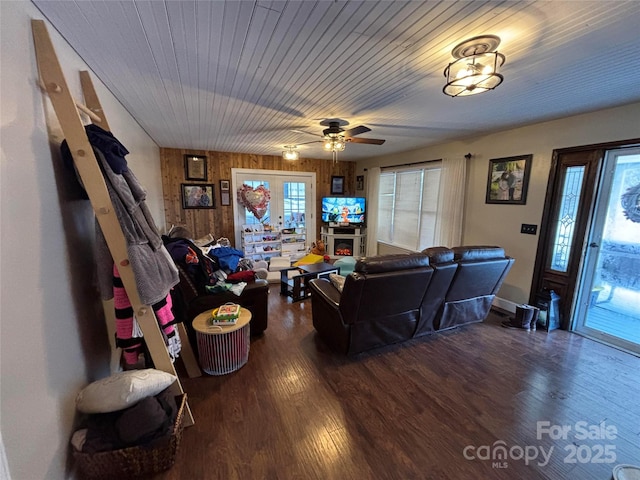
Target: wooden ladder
{"type": "Point", "coordinates": [66, 109]}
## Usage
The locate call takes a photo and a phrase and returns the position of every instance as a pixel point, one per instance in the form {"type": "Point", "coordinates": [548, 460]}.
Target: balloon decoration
{"type": "Point", "coordinates": [255, 200]}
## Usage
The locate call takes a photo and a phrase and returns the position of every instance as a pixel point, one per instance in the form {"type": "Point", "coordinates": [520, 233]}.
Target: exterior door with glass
{"type": "Point", "coordinates": [289, 213]}
{"type": "Point", "coordinates": [564, 225]}
{"type": "Point", "coordinates": [589, 251]}
{"type": "Point", "coordinates": [608, 306]}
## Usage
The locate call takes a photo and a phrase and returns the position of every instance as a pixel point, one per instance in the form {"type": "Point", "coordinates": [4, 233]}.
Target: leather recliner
{"type": "Point", "coordinates": [380, 303]}
{"type": "Point", "coordinates": [480, 272]}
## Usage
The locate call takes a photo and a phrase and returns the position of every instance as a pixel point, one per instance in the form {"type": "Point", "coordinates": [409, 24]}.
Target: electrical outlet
{"type": "Point", "coordinates": [528, 229]}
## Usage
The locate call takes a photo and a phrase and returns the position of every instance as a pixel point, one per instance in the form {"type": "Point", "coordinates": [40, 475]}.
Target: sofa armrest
{"type": "Point", "coordinates": [327, 320]}
{"type": "Point", "coordinates": [326, 292]}
{"type": "Point", "coordinates": [254, 297]}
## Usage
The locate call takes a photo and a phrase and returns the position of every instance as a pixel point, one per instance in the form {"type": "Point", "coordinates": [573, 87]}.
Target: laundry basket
{"type": "Point", "coordinates": [134, 461]}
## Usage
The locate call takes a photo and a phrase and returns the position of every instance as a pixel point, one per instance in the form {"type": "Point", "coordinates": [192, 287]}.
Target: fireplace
{"type": "Point", "coordinates": [344, 241]}
{"type": "Point", "coordinates": [343, 247]}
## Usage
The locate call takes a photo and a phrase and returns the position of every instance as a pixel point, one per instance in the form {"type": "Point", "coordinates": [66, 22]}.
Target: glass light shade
{"type": "Point", "coordinates": [290, 155]}
{"type": "Point", "coordinates": [334, 144]}
{"type": "Point", "coordinates": [473, 74]}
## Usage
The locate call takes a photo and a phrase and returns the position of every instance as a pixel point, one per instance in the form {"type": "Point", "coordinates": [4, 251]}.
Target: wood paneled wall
{"type": "Point", "coordinates": [219, 221]}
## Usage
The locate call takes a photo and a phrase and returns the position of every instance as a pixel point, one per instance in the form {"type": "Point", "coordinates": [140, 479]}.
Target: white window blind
{"type": "Point", "coordinates": [408, 206]}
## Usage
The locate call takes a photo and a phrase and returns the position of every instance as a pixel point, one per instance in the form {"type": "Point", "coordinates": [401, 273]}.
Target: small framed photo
{"type": "Point", "coordinates": [225, 194]}
{"type": "Point", "coordinates": [195, 167]}
{"type": "Point", "coordinates": [508, 180]}
{"type": "Point", "coordinates": [360, 182]}
{"type": "Point", "coordinates": [198, 195]}
{"type": "Point", "coordinates": [337, 185]}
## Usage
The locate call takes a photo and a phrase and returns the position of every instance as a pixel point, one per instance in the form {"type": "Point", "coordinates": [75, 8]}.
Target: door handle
{"type": "Point", "coordinates": [594, 245]}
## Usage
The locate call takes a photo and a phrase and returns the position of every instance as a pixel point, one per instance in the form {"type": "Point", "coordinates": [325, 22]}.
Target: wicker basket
{"type": "Point", "coordinates": [134, 461]}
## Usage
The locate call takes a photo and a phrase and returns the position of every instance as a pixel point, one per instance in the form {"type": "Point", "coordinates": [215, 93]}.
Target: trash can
{"type": "Point", "coordinates": [548, 302]}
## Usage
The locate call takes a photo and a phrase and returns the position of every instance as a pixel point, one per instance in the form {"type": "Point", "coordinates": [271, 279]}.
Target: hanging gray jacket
{"type": "Point", "coordinates": [154, 270]}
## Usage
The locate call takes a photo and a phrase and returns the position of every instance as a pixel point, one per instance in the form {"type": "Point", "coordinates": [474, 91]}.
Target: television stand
{"type": "Point", "coordinates": [344, 241]}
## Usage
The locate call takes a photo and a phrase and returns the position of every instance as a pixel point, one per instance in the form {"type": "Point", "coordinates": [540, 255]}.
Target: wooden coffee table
{"type": "Point", "coordinates": [296, 285]}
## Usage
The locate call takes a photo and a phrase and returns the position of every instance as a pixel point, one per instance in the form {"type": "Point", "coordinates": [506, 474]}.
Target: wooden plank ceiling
{"type": "Point", "coordinates": [240, 76]}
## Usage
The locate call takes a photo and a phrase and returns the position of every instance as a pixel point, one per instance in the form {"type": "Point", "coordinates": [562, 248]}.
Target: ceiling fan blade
{"type": "Point", "coordinates": [307, 143]}
{"type": "Point", "coordinates": [352, 132]}
{"type": "Point", "coordinates": [297, 130]}
{"type": "Point", "coordinates": [370, 141]}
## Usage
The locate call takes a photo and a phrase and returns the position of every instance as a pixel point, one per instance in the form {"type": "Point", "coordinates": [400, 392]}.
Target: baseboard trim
{"type": "Point", "coordinates": [504, 304]}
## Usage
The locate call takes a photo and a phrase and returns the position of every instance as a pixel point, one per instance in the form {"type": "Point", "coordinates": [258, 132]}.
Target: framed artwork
{"type": "Point", "coordinates": [195, 167]}
{"type": "Point", "coordinates": [198, 195]}
{"type": "Point", "coordinates": [360, 182]}
{"type": "Point", "coordinates": [508, 180]}
{"type": "Point", "coordinates": [225, 195]}
{"type": "Point", "coordinates": [337, 185]}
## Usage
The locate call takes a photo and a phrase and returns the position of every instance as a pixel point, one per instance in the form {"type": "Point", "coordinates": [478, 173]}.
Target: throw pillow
{"type": "Point", "coordinates": [242, 276]}
{"type": "Point", "coordinates": [122, 390]}
{"type": "Point", "coordinates": [337, 281]}
{"type": "Point", "coordinates": [309, 259]}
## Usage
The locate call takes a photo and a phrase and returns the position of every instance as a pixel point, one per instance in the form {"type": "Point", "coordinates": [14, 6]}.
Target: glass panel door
{"type": "Point", "coordinates": [609, 299]}
{"type": "Point", "coordinates": [288, 222]}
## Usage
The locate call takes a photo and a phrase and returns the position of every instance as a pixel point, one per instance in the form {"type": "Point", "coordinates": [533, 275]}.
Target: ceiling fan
{"type": "Point", "coordinates": [335, 137]}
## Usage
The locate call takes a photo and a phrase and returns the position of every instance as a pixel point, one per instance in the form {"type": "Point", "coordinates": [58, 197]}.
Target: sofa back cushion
{"type": "Point", "coordinates": [479, 252]}
{"type": "Point", "coordinates": [391, 263]}
{"type": "Point", "coordinates": [385, 287]}
{"type": "Point", "coordinates": [481, 271]}
{"type": "Point", "coordinates": [444, 269]}
{"type": "Point", "coordinates": [439, 255]}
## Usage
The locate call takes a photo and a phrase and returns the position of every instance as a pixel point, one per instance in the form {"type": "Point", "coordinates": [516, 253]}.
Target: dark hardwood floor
{"type": "Point", "coordinates": [411, 411]}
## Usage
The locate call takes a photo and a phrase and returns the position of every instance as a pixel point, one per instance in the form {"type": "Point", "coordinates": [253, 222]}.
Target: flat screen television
{"type": "Point", "coordinates": [344, 210]}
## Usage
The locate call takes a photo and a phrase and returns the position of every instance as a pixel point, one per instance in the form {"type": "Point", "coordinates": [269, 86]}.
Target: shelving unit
{"type": "Point", "coordinates": [294, 242]}
{"type": "Point", "coordinates": [260, 244]}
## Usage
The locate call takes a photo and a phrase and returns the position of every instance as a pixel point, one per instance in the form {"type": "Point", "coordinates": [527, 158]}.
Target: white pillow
{"type": "Point", "coordinates": [122, 390]}
{"type": "Point", "coordinates": [337, 281]}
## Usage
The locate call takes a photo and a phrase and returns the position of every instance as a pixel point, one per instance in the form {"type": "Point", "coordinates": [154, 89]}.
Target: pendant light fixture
{"type": "Point", "coordinates": [290, 153]}
{"type": "Point", "coordinates": [475, 69]}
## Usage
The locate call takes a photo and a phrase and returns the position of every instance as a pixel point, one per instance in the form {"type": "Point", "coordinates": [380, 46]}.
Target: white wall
{"type": "Point", "coordinates": [490, 224]}
{"type": "Point", "coordinates": [52, 338]}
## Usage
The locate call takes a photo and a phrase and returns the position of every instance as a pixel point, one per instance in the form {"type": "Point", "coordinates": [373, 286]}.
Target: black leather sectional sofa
{"type": "Point", "coordinates": [393, 298]}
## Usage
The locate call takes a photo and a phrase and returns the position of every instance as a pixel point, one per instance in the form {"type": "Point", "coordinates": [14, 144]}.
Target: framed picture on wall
{"type": "Point", "coordinates": [337, 185]}
{"type": "Point", "coordinates": [198, 195]}
{"type": "Point", "coordinates": [508, 180]}
{"type": "Point", "coordinates": [195, 167]}
{"type": "Point", "coordinates": [225, 194]}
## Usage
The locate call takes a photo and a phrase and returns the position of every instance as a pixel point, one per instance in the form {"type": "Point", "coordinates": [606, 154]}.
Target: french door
{"type": "Point", "coordinates": [292, 203]}
{"type": "Point", "coordinates": [608, 306]}
{"type": "Point", "coordinates": [589, 245]}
